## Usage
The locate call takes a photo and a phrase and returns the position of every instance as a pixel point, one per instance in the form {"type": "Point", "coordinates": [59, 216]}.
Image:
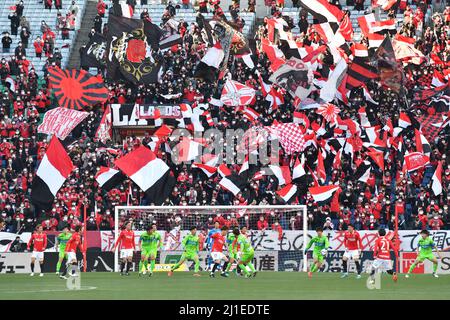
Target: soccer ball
{"type": "Point", "coordinates": [324, 252]}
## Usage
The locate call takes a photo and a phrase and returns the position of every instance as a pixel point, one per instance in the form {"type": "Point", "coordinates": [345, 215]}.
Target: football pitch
{"type": "Point", "coordinates": [182, 285]}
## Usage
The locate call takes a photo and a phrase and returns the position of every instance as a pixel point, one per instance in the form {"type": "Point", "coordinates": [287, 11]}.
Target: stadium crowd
{"type": "Point", "coordinates": [366, 205]}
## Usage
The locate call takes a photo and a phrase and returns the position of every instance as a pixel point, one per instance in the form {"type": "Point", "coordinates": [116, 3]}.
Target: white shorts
{"type": "Point", "coordinates": [382, 264]}
{"type": "Point", "coordinates": [126, 253]}
{"type": "Point", "coordinates": [38, 255]}
{"type": "Point", "coordinates": [352, 254]}
{"type": "Point", "coordinates": [218, 256]}
{"type": "Point", "coordinates": [71, 256]}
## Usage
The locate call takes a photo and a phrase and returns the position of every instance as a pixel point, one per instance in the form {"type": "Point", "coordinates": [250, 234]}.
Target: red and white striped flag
{"type": "Point", "coordinates": [323, 193]}
{"type": "Point", "coordinates": [287, 193]}
{"type": "Point", "coordinates": [437, 180]}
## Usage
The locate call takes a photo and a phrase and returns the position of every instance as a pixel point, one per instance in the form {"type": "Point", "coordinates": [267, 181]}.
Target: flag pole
{"type": "Point", "coordinates": [85, 238]}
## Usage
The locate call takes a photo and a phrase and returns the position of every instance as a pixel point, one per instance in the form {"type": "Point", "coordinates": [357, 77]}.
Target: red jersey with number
{"type": "Point", "coordinates": [382, 248]}
{"type": "Point", "coordinates": [352, 240]}
{"type": "Point", "coordinates": [39, 241]}
{"type": "Point", "coordinates": [73, 243]}
{"type": "Point", "coordinates": [219, 241]}
{"type": "Point", "coordinates": [127, 239]}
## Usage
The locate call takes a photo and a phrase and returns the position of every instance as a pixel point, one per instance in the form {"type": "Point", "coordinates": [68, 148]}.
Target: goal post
{"type": "Point", "coordinates": [177, 220]}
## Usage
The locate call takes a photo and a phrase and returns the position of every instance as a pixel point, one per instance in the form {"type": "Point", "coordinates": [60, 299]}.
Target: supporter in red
{"type": "Point", "coordinates": [262, 223]}
{"type": "Point", "coordinates": [436, 223]}
{"type": "Point", "coordinates": [277, 227]}
{"type": "Point", "coordinates": [101, 8]}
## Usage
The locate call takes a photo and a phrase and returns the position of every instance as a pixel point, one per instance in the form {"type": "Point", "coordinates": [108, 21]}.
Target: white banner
{"type": "Point", "coordinates": [16, 263]}
{"type": "Point", "coordinates": [61, 121]}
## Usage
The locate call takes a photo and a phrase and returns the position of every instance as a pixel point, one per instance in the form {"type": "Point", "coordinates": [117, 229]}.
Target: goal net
{"type": "Point", "coordinates": [267, 226]}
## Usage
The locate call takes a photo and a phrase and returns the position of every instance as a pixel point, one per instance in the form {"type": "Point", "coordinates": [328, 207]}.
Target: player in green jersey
{"type": "Point", "coordinates": [61, 241]}
{"type": "Point", "coordinates": [321, 244]}
{"type": "Point", "coordinates": [245, 252]}
{"type": "Point", "coordinates": [232, 252]}
{"type": "Point", "coordinates": [149, 243]}
{"type": "Point", "coordinates": [425, 251]}
{"type": "Point", "coordinates": [191, 246]}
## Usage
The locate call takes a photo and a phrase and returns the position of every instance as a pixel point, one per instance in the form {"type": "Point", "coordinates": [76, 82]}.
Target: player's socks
{"type": "Point", "coordinates": [314, 268]}
{"type": "Point", "coordinates": [58, 266]}
{"type": "Point", "coordinates": [252, 267]}
{"type": "Point", "coordinates": [74, 268]}
{"type": "Point", "coordinates": [196, 266]}
{"type": "Point", "coordinates": [358, 267]}
{"type": "Point", "coordinates": [152, 265]}
{"type": "Point", "coordinates": [122, 266]}
{"type": "Point", "coordinates": [214, 268]}
{"type": "Point", "coordinates": [140, 266]}
{"type": "Point", "coordinates": [32, 267]}
{"type": "Point", "coordinates": [42, 267]}
{"type": "Point", "coordinates": [176, 266]}
{"type": "Point", "coordinates": [390, 271]}
{"type": "Point", "coordinates": [435, 266]}
{"type": "Point", "coordinates": [244, 269]}
{"type": "Point", "coordinates": [344, 265]}
{"type": "Point", "coordinates": [412, 267]}
{"type": "Point", "coordinates": [128, 266]}
{"type": "Point", "coordinates": [225, 267]}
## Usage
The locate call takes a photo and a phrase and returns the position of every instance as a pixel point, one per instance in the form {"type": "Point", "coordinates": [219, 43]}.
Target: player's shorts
{"type": "Point", "coordinates": [189, 255]}
{"type": "Point", "coordinates": [352, 254]}
{"type": "Point", "coordinates": [217, 256]}
{"type": "Point", "coordinates": [149, 252]}
{"type": "Point", "coordinates": [38, 255]}
{"type": "Point", "coordinates": [71, 256]}
{"type": "Point", "coordinates": [126, 253]}
{"type": "Point", "coordinates": [248, 256]}
{"type": "Point", "coordinates": [382, 264]}
{"type": "Point", "coordinates": [423, 257]}
{"type": "Point", "coordinates": [318, 256]}
{"type": "Point", "coordinates": [62, 253]}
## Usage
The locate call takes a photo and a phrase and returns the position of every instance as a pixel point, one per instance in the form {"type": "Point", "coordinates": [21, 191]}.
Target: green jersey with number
{"type": "Point", "coordinates": [62, 240]}
{"type": "Point", "coordinates": [319, 243]}
{"type": "Point", "coordinates": [150, 240]}
{"type": "Point", "coordinates": [191, 243]}
{"type": "Point", "coordinates": [245, 244]}
{"type": "Point", "coordinates": [426, 246]}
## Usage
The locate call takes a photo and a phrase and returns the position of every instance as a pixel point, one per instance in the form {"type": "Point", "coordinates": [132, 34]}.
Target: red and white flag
{"type": "Point", "coordinates": [150, 173]}
{"type": "Point", "coordinates": [299, 169]}
{"type": "Point", "coordinates": [359, 50]}
{"type": "Point", "coordinates": [290, 136]}
{"type": "Point", "coordinates": [187, 150]}
{"type": "Point", "coordinates": [384, 4]}
{"type": "Point", "coordinates": [404, 121]}
{"type": "Point", "coordinates": [53, 171]}
{"type": "Point", "coordinates": [329, 111]}
{"type": "Point", "coordinates": [108, 178]}
{"type": "Point", "coordinates": [437, 180]}
{"type": "Point", "coordinates": [61, 121]}
{"type": "Point", "coordinates": [323, 193]}
{"type": "Point", "coordinates": [237, 94]}
{"type": "Point", "coordinates": [282, 174]}
{"type": "Point", "coordinates": [251, 114]}
{"type": "Point", "coordinates": [274, 54]}
{"type": "Point", "coordinates": [287, 193]}
{"type": "Point", "coordinates": [104, 131]}
{"type": "Point", "coordinates": [416, 160]}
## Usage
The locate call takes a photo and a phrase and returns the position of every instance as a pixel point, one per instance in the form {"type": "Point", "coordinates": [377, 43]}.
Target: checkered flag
{"type": "Point", "coordinates": [290, 136]}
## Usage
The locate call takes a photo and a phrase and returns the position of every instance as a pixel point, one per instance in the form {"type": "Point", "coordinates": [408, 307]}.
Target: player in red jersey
{"type": "Point", "coordinates": [71, 250]}
{"type": "Point", "coordinates": [353, 247]}
{"type": "Point", "coordinates": [382, 256]}
{"type": "Point", "coordinates": [219, 240]}
{"type": "Point", "coordinates": [127, 246]}
{"type": "Point", "coordinates": [39, 242]}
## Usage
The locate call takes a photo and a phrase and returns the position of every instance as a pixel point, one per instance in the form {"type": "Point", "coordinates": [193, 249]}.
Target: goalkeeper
{"type": "Point", "coordinates": [61, 241]}
{"type": "Point", "coordinates": [321, 244]}
{"type": "Point", "coordinates": [245, 253]}
{"type": "Point", "coordinates": [149, 243]}
{"type": "Point", "coordinates": [191, 246]}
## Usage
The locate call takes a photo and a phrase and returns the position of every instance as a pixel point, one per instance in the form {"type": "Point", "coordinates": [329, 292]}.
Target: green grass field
{"type": "Point", "coordinates": [267, 285]}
